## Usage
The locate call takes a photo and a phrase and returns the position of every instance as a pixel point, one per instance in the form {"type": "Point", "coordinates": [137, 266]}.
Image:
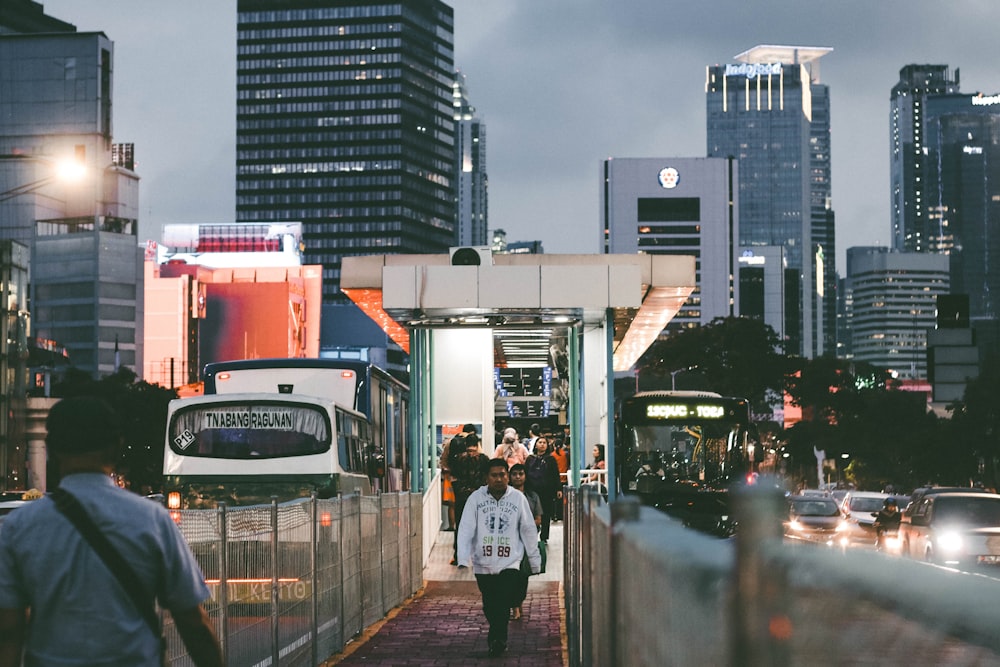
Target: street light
{"type": "Point", "coordinates": [66, 169]}
{"type": "Point", "coordinates": [673, 376]}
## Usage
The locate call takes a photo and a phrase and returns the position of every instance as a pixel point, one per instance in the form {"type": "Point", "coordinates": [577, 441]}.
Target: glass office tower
{"type": "Point", "coordinates": [963, 194]}
{"type": "Point", "coordinates": [345, 124]}
{"type": "Point", "coordinates": [771, 113]}
{"type": "Point", "coordinates": [912, 229]}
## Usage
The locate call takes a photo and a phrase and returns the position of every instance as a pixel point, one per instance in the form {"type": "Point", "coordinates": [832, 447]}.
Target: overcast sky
{"type": "Point", "coordinates": [561, 84]}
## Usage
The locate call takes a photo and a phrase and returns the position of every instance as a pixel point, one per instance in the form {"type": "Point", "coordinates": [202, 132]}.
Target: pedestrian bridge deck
{"type": "Point", "coordinates": [443, 625]}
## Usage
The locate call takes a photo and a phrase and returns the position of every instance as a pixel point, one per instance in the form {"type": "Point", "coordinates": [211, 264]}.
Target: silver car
{"type": "Point", "coordinates": [955, 529]}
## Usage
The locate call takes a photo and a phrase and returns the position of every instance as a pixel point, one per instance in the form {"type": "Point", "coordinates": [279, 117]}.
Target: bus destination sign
{"type": "Point", "coordinates": [684, 411]}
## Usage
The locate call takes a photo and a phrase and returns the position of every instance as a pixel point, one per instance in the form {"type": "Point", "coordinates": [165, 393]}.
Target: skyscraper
{"type": "Point", "coordinates": [946, 180]}
{"type": "Point", "coordinates": [345, 124]}
{"type": "Point", "coordinates": [893, 299]}
{"type": "Point", "coordinates": [911, 224]}
{"type": "Point", "coordinates": [772, 114]}
{"type": "Point", "coordinates": [471, 221]}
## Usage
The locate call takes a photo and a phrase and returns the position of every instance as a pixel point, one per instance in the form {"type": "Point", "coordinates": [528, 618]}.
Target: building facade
{"type": "Point", "coordinates": [471, 201]}
{"type": "Point", "coordinates": [677, 206]}
{"type": "Point", "coordinates": [770, 112]}
{"type": "Point", "coordinates": [894, 298]}
{"type": "Point", "coordinates": [345, 123]}
{"type": "Point", "coordinates": [963, 179]}
{"type": "Point", "coordinates": [912, 226]}
{"type": "Point", "coordinates": [215, 292]}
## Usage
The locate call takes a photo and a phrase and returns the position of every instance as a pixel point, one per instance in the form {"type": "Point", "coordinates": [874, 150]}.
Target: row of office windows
{"type": "Point", "coordinates": [297, 32]}
{"type": "Point", "coordinates": [248, 141]}
{"type": "Point", "coordinates": [320, 14]}
{"type": "Point", "coordinates": [339, 103]}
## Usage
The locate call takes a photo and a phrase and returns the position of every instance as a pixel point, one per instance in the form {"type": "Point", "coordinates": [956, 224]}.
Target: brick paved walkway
{"type": "Point", "coordinates": [445, 627]}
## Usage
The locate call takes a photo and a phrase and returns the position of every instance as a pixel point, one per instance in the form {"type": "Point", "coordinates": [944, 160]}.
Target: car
{"type": "Point", "coordinates": [917, 496]}
{"type": "Point", "coordinates": [709, 512]}
{"type": "Point", "coordinates": [957, 529]}
{"type": "Point", "coordinates": [861, 508]}
{"type": "Point", "coordinates": [816, 519]}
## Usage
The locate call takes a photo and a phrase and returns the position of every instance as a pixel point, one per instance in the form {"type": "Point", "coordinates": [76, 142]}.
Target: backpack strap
{"type": "Point", "coordinates": [71, 508]}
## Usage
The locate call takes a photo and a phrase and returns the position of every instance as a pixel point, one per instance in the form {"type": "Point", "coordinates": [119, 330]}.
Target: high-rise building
{"type": "Point", "coordinates": [68, 211]}
{"type": "Point", "coordinates": [345, 124]}
{"type": "Point", "coordinates": [770, 112]}
{"type": "Point", "coordinates": [963, 198]}
{"type": "Point", "coordinates": [677, 206]}
{"type": "Point", "coordinates": [893, 299]}
{"type": "Point", "coordinates": [946, 180]}
{"type": "Point", "coordinates": [912, 228]}
{"type": "Point", "coordinates": [471, 219]}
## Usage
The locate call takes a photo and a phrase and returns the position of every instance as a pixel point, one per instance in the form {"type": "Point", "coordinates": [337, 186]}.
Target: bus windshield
{"type": "Point", "coordinates": [249, 431]}
{"type": "Point", "coordinates": [666, 437]}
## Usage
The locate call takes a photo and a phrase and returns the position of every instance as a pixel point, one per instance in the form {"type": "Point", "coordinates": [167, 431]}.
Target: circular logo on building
{"type": "Point", "coordinates": [669, 178]}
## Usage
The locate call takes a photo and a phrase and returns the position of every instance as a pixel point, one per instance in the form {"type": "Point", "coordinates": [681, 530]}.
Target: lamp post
{"type": "Point", "coordinates": [674, 374]}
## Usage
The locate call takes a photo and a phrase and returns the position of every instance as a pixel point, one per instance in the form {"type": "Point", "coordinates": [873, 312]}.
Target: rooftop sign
{"type": "Point", "coordinates": [751, 70]}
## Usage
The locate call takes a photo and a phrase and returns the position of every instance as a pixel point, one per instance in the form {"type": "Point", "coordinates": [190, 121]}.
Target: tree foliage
{"type": "Point", "coordinates": [734, 356]}
{"type": "Point", "coordinates": [142, 409]}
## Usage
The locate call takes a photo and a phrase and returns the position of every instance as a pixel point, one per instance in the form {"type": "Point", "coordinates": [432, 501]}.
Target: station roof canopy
{"type": "Point", "coordinates": [504, 291]}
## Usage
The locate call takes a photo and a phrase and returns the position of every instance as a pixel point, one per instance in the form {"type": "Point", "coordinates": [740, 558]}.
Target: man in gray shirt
{"type": "Point", "coordinates": [59, 602]}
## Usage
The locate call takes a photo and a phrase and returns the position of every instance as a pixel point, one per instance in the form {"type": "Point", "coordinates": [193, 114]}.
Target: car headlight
{"type": "Point", "coordinates": [843, 525]}
{"type": "Point", "coordinates": [794, 524]}
{"type": "Point", "coordinates": [950, 542]}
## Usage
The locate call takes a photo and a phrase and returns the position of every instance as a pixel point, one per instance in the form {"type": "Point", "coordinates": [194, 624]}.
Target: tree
{"type": "Point", "coordinates": [142, 409]}
{"type": "Point", "coordinates": [734, 356]}
{"type": "Point", "coordinates": [975, 423]}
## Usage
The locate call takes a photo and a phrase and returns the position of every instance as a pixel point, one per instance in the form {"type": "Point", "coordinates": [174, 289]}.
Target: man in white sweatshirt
{"type": "Point", "coordinates": [496, 530]}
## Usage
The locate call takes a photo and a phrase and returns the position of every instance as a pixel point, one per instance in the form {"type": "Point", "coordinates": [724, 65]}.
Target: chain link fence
{"type": "Point", "coordinates": [292, 583]}
{"type": "Point", "coordinates": [643, 590]}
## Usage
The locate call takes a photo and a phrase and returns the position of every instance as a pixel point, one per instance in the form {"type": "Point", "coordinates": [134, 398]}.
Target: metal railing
{"type": "Point", "coordinates": [293, 583]}
{"type": "Point", "coordinates": [643, 590]}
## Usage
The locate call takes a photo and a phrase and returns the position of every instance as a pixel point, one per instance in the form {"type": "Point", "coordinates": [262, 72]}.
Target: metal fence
{"type": "Point", "coordinates": [292, 583]}
{"type": "Point", "coordinates": [643, 590]}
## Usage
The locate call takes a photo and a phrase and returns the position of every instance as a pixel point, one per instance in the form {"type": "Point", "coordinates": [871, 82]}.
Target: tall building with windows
{"type": "Point", "coordinates": [345, 124]}
{"type": "Point", "coordinates": [912, 227]}
{"type": "Point", "coordinates": [770, 112]}
{"type": "Point", "coordinates": [471, 219]}
{"type": "Point", "coordinates": [68, 214]}
{"type": "Point", "coordinates": [946, 180]}
{"type": "Point", "coordinates": [893, 299]}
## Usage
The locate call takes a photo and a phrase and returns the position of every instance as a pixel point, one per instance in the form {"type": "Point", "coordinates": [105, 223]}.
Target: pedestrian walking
{"type": "Point", "coordinates": [468, 473]}
{"type": "Point", "coordinates": [543, 479]}
{"type": "Point", "coordinates": [80, 569]}
{"type": "Point", "coordinates": [518, 475]}
{"type": "Point", "coordinates": [495, 531]}
{"type": "Point", "coordinates": [511, 449]}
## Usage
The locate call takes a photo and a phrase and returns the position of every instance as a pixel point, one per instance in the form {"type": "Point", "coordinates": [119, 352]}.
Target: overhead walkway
{"type": "Point", "coordinates": [443, 625]}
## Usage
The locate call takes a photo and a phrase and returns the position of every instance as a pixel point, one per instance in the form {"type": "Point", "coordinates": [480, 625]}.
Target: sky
{"type": "Point", "coordinates": [561, 86]}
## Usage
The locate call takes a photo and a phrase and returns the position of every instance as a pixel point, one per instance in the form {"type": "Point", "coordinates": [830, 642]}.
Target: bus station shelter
{"type": "Point", "coordinates": [448, 311]}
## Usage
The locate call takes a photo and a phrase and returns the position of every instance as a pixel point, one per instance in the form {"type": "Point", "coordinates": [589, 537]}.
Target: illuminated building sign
{"type": "Point", "coordinates": [751, 70]}
{"type": "Point", "coordinates": [751, 259]}
{"type": "Point", "coordinates": [985, 101]}
{"type": "Point", "coordinates": [669, 178]}
{"type": "Point", "coordinates": [972, 150]}
{"type": "Point", "coordinates": [683, 411]}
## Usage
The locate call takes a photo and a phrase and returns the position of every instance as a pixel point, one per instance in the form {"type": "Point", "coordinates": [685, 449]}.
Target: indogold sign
{"type": "Point", "coordinates": [682, 411]}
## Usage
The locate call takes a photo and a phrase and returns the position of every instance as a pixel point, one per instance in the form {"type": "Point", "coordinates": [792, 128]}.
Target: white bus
{"type": "Point", "coordinates": [242, 449]}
